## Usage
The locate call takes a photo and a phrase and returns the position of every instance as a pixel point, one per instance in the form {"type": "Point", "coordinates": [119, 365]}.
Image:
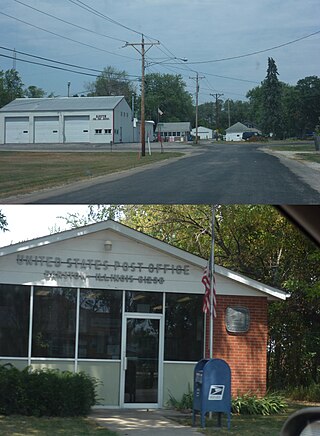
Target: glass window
{"type": "Point", "coordinates": [54, 322]}
{"type": "Point", "coordinates": [237, 319]}
{"type": "Point", "coordinates": [100, 324]}
{"type": "Point", "coordinates": [98, 131]}
{"type": "Point", "coordinates": [14, 320]}
{"type": "Point", "coordinates": [144, 302]}
{"type": "Point", "coordinates": [184, 327]}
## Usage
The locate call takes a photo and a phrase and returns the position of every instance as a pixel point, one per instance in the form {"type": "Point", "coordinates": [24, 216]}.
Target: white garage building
{"type": "Point", "coordinates": [65, 120]}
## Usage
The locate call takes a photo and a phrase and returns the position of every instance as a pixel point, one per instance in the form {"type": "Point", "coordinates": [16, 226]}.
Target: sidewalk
{"type": "Point", "coordinates": [139, 422]}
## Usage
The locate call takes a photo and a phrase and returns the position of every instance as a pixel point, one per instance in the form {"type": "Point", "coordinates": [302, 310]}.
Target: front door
{"type": "Point", "coordinates": [141, 361]}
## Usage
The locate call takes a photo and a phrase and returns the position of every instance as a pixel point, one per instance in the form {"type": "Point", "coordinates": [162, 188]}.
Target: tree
{"type": "Point", "coordinates": [3, 222]}
{"type": "Point", "coordinates": [167, 92]}
{"type": "Point", "coordinates": [11, 86]}
{"type": "Point", "coordinates": [271, 101]}
{"type": "Point", "coordinates": [308, 91]}
{"type": "Point", "coordinates": [34, 92]}
{"type": "Point", "coordinates": [112, 82]}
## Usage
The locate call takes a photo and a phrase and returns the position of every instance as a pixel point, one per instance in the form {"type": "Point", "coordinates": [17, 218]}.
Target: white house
{"type": "Point", "coordinates": [65, 120]}
{"type": "Point", "coordinates": [203, 132]}
{"type": "Point", "coordinates": [127, 308]}
{"type": "Point", "coordinates": [173, 131]}
{"type": "Point", "coordinates": [236, 131]}
{"type": "Point", "coordinates": [149, 130]}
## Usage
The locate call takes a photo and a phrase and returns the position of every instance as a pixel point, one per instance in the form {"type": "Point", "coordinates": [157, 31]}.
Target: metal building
{"type": "Point", "coordinates": [66, 120]}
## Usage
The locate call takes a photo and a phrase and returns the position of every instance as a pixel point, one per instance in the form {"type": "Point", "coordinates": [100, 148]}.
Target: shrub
{"type": "Point", "coordinates": [46, 392]}
{"type": "Point", "coordinates": [305, 393]}
{"type": "Point", "coordinates": [248, 404]}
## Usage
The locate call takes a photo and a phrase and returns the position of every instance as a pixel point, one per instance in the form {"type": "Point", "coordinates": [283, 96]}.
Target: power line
{"type": "Point", "coordinates": [68, 22]}
{"type": "Point", "coordinates": [63, 63]}
{"type": "Point", "coordinates": [255, 52]}
{"type": "Point", "coordinates": [65, 37]}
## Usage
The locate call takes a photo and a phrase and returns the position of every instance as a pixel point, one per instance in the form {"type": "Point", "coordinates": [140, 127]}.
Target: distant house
{"type": "Point", "coordinates": [149, 127]}
{"type": "Point", "coordinates": [239, 132]}
{"type": "Point", "coordinates": [173, 131]}
{"type": "Point", "coordinates": [203, 133]}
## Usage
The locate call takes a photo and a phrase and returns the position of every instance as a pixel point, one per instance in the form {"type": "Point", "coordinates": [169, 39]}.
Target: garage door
{"type": "Point", "coordinates": [17, 130]}
{"type": "Point", "coordinates": [46, 129]}
{"type": "Point", "coordinates": [76, 128]}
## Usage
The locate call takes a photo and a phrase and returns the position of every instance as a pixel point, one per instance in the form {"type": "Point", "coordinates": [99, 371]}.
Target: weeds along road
{"type": "Point", "coordinates": [217, 173]}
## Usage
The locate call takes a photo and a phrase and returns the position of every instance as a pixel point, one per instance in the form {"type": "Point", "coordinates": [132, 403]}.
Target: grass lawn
{"type": "Point", "coordinates": [313, 157]}
{"type": "Point", "coordinates": [293, 147]}
{"type": "Point", "coordinates": [25, 172]}
{"type": "Point", "coordinates": [29, 426]}
{"type": "Point", "coordinates": [249, 425]}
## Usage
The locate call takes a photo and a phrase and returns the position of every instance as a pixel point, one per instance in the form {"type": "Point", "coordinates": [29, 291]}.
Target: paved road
{"type": "Point", "coordinates": [219, 174]}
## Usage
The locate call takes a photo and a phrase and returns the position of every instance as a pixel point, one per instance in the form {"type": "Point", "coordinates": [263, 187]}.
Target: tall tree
{"type": "Point", "coordinates": [112, 82]}
{"type": "Point", "coordinates": [11, 86]}
{"type": "Point", "coordinates": [167, 92]}
{"type": "Point", "coordinates": [271, 101]}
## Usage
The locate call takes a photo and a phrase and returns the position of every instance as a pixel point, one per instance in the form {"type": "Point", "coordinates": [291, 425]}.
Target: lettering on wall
{"type": "Point", "coordinates": [102, 270]}
{"type": "Point", "coordinates": [101, 117]}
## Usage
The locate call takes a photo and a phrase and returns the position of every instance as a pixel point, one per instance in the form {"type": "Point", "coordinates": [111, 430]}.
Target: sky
{"type": "Point", "coordinates": [26, 222]}
{"type": "Point", "coordinates": [198, 30]}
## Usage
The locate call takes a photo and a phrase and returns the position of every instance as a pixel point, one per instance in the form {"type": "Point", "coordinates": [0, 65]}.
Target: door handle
{"type": "Point", "coordinates": [125, 366]}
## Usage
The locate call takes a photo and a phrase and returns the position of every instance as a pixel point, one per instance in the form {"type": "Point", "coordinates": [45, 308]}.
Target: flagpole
{"type": "Point", "coordinates": [211, 283]}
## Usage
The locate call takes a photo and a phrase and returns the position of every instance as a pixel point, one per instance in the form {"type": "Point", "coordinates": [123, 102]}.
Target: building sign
{"type": "Point", "coordinates": [216, 392]}
{"type": "Point", "coordinates": [101, 117]}
{"type": "Point", "coordinates": [102, 270]}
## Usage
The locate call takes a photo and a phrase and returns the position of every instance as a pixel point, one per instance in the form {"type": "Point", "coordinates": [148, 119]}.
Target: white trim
{"type": "Point", "coordinates": [180, 362]}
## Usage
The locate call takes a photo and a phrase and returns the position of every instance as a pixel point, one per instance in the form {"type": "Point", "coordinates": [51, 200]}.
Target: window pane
{"type": "Point", "coordinates": [54, 322]}
{"type": "Point", "coordinates": [184, 327]}
{"type": "Point", "coordinates": [144, 302]}
{"type": "Point", "coordinates": [100, 324]}
{"type": "Point", "coordinates": [14, 320]}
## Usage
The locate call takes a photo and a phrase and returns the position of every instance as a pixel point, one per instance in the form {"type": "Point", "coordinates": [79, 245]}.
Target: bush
{"type": "Point", "coordinates": [248, 404]}
{"type": "Point", "coordinates": [305, 393]}
{"type": "Point", "coordinates": [45, 392]}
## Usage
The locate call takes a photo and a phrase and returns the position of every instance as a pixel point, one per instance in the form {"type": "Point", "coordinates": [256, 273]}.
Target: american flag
{"type": "Point", "coordinates": [207, 291]}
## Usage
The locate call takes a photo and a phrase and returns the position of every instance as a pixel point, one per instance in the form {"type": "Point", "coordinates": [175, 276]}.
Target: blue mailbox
{"type": "Point", "coordinates": [212, 389]}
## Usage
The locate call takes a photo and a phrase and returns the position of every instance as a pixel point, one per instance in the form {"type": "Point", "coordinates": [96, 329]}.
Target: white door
{"type": "Point", "coordinates": [141, 361]}
{"type": "Point", "coordinates": [17, 130]}
{"type": "Point", "coordinates": [76, 128]}
{"type": "Point", "coordinates": [46, 129]}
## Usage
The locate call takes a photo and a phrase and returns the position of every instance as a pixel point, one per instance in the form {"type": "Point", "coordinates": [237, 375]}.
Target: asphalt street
{"type": "Point", "coordinates": [215, 174]}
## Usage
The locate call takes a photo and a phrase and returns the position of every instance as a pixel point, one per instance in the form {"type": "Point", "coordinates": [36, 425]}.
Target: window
{"type": "Point", "coordinates": [100, 324]}
{"type": "Point", "coordinates": [184, 327]}
{"type": "Point", "coordinates": [178, 133]}
{"type": "Point", "coordinates": [107, 131]}
{"type": "Point", "coordinates": [14, 320]}
{"type": "Point", "coordinates": [98, 131]}
{"type": "Point", "coordinates": [54, 322]}
{"type": "Point", "coordinates": [144, 302]}
{"type": "Point", "coordinates": [237, 319]}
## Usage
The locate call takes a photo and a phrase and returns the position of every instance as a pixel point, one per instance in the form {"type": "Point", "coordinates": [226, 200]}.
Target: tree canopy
{"type": "Point", "coordinates": [260, 243]}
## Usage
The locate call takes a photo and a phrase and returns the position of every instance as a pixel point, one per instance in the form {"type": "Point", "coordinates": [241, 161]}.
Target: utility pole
{"type": "Point", "coordinates": [69, 83]}
{"type": "Point", "coordinates": [229, 112]}
{"type": "Point", "coordinates": [142, 51]}
{"type": "Point", "coordinates": [217, 109]}
{"type": "Point", "coordinates": [197, 100]}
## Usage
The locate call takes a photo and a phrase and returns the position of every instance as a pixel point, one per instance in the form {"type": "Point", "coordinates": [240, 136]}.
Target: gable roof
{"type": "Point", "coordinates": [45, 241]}
{"type": "Point", "coordinates": [240, 128]}
{"type": "Point", "coordinates": [62, 104]}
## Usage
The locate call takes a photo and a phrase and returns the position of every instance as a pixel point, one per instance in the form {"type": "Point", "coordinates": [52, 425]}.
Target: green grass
{"type": "Point", "coordinates": [248, 425]}
{"type": "Point", "coordinates": [312, 157]}
{"type": "Point", "coordinates": [25, 172]}
{"type": "Point", "coordinates": [293, 147]}
{"type": "Point", "coordinates": [29, 426]}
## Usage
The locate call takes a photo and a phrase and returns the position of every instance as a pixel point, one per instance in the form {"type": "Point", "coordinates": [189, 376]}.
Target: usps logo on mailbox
{"type": "Point", "coordinates": [216, 392]}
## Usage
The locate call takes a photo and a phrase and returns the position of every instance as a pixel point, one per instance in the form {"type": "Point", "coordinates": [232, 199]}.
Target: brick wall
{"type": "Point", "coordinates": [245, 352]}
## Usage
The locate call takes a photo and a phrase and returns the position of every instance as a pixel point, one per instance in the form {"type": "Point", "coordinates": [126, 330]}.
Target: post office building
{"type": "Point", "coordinates": [127, 309]}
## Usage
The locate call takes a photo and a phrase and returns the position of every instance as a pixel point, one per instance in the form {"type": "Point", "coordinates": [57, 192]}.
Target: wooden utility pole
{"type": "Point", "coordinates": [142, 50]}
{"type": "Point", "coordinates": [197, 101]}
{"type": "Point", "coordinates": [217, 110]}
